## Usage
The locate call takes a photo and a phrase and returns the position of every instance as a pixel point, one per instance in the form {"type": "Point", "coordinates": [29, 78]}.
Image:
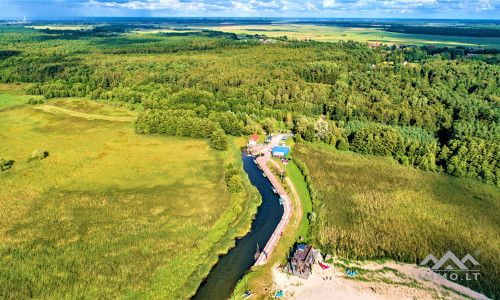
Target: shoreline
{"type": "Point", "coordinates": [238, 224]}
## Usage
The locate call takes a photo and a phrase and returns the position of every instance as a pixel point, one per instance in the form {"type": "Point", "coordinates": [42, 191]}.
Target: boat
{"type": "Point", "coordinates": [264, 174]}
{"type": "Point", "coordinates": [257, 253]}
{"type": "Point", "coordinates": [275, 190]}
{"type": "Point", "coordinates": [246, 294]}
{"type": "Point", "coordinates": [281, 201]}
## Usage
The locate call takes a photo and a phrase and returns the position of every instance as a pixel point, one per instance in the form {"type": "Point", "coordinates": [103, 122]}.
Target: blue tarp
{"type": "Point", "coordinates": [281, 150]}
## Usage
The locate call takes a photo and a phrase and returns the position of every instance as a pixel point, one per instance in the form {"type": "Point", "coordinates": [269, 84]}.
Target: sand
{"type": "Point", "coordinates": [406, 283]}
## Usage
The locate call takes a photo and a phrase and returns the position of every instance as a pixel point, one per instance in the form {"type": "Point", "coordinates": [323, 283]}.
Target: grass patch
{"type": "Point", "coordinates": [372, 207]}
{"type": "Point", "coordinates": [12, 94]}
{"type": "Point", "coordinates": [301, 187]}
{"type": "Point", "coordinates": [109, 213]}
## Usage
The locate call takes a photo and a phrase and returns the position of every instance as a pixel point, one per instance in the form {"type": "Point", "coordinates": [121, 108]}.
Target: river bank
{"type": "Point", "coordinates": [232, 266]}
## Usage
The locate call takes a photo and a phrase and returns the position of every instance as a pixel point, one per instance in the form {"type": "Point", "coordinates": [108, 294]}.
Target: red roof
{"type": "Point", "coordinates": [255, 137]}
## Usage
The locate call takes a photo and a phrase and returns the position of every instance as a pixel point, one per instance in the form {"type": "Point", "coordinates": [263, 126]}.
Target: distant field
{"type": "Point", "coordinates": [109, 213]}
{"type": "Point", "coordinates": [62, 27]}
{"type": "Point", "coordinates": [334, 33]}
{"type": "Point", "coordinates": [163, 30]}
{"type": "Point", "coordinates": [372, 207]}
{"type": "Point", "coordinates": [12, 95]}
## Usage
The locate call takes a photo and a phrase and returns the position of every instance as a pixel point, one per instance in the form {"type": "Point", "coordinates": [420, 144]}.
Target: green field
{"type": "Point", "coordinates": [11, 95]}
{"type": "Point", "coordinates": [372, 207]}
{"type": "Point", "coordinates": [109, 213]}
{"type": "Point", "coordinates": [372, 35]}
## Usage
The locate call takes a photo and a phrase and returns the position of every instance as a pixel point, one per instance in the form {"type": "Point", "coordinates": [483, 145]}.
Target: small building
{"type": "Point", "coordinates": [280, 151]}
{"type": "Point", "coordinates": [253, 140]}
{"type": "Point", "coordinates": [301, 261]}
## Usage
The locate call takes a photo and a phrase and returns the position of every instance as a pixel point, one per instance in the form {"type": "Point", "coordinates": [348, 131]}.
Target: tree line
{"type": "Point", "coordinates": [411, 103]}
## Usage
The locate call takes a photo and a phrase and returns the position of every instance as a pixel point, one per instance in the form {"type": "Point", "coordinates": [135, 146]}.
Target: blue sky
{"type": "Point", "coordinates": [57, 9]}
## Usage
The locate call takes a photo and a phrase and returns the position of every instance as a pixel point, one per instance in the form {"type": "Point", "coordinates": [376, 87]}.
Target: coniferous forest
{"type": "Point", "coordinates": [434, 109]}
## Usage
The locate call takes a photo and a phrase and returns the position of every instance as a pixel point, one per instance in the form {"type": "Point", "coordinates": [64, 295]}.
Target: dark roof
{"type": "Point", "coordinates": [302, 252]}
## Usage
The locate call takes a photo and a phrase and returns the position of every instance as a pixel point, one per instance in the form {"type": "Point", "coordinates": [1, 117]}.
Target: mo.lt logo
{"type": "Point", "coordinates": [447, 271]}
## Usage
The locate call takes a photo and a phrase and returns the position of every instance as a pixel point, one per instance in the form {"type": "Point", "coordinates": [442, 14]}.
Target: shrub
{"type": "Point", "coordinates": [312, 217]}
{"type": "Point", "coordinates": [235, 185]}
{"type": "Point", "coordinates": [38, 155]}
{"type": "Point", "coordinates": [343, 144]}
{"type": "Point", "coordinates": [233, 179]}
{"type": "Point", "coordinates": [34, 101]}
{"type": "Point", "coordinates": [5, 164]}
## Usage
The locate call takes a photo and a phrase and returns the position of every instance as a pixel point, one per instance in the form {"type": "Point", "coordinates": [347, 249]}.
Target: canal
{"type": "Point", "coordinates": [232, 267]}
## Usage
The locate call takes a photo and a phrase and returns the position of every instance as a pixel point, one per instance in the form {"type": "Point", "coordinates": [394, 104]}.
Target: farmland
{"type": "Point", "coordinates": [358, 34]}
{"type": "Point", "coordinates": [109, 213]}
{"type": "Point", "coordinates": [371, 207]}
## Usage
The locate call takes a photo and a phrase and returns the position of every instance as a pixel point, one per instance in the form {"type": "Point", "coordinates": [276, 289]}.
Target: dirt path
{"type": "Point", "coordinates": [298, 204]}
{"type": "Point", "coordinates": [52, 109]}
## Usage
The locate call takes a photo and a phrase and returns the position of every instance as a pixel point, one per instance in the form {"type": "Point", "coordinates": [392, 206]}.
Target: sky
{"type": "Point", "coordinates": [419, 9]}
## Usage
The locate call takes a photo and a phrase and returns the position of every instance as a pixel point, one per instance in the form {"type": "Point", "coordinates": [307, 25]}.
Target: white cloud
{"type": "Point", "coordinates": [246, 7]}
{"type": "Point", "coordinates": [311, 7]}
{"type": "Point", "coordinates": [155, 5]}
{"type": "Point", "coordinates": [329, 3]}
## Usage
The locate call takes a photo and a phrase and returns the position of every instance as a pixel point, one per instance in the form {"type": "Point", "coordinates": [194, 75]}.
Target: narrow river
{"type": "Point", "coordinates": [231, 267]}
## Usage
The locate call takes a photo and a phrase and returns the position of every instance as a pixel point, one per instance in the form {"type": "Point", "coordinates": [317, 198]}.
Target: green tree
{"type": "Point", "coordinates": [219, 140]}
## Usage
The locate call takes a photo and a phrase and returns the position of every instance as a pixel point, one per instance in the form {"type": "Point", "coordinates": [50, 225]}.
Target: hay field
{"type": "Point", "coordinates": [372, 207]}
{"type": "Point", "coordinates": [109, 213]}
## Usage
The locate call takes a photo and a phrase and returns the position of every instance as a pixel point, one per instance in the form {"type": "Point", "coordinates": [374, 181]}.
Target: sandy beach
{"type": "Point", "coordinates": [406, 283]}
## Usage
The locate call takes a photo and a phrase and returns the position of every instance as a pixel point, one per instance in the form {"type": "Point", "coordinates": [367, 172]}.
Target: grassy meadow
{"type": "Point", "coordinates": [12, 95]}
{"type": "Point", "coordinates": [372, 35]}
{"type": "Point", "coordinates": [372, 207]}
{"type": "Point", "coordinates": [109, 213]}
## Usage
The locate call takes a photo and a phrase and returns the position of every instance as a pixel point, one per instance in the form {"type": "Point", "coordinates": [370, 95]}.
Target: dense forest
{"type": "Point", "coordinates": [445, 30]}
{"type": "Point", "coordinates": [435, 109]}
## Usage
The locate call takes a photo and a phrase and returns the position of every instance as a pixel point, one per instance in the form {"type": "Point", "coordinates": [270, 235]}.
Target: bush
{"type": "Point", "coordinates": [34, 101]}
{"type": "Point", "coordinates": [343, 144]}
{"type": "Point", "coordinates": [312, 217]}
{"type": "Point", "coordinates": [5, 164]}
{"type": "Point", "coordinates": [235, 185]}
{"type": "Point", "coordinates": [233, 179]}
{"type": "Point", "coordinates": [38, 155]}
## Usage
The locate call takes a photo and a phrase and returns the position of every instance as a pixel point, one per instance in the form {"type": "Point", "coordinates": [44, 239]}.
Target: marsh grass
{"type": "Point", "coordinates": [12, 94]}
{"type": "Point", "coordinates": [372, 207]}
{"type": "Point", "coordinates": [109, 213]}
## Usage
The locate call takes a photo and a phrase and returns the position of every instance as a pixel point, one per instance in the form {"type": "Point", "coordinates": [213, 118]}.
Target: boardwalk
{"type": "Point", "coordinates": [287, 205]}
